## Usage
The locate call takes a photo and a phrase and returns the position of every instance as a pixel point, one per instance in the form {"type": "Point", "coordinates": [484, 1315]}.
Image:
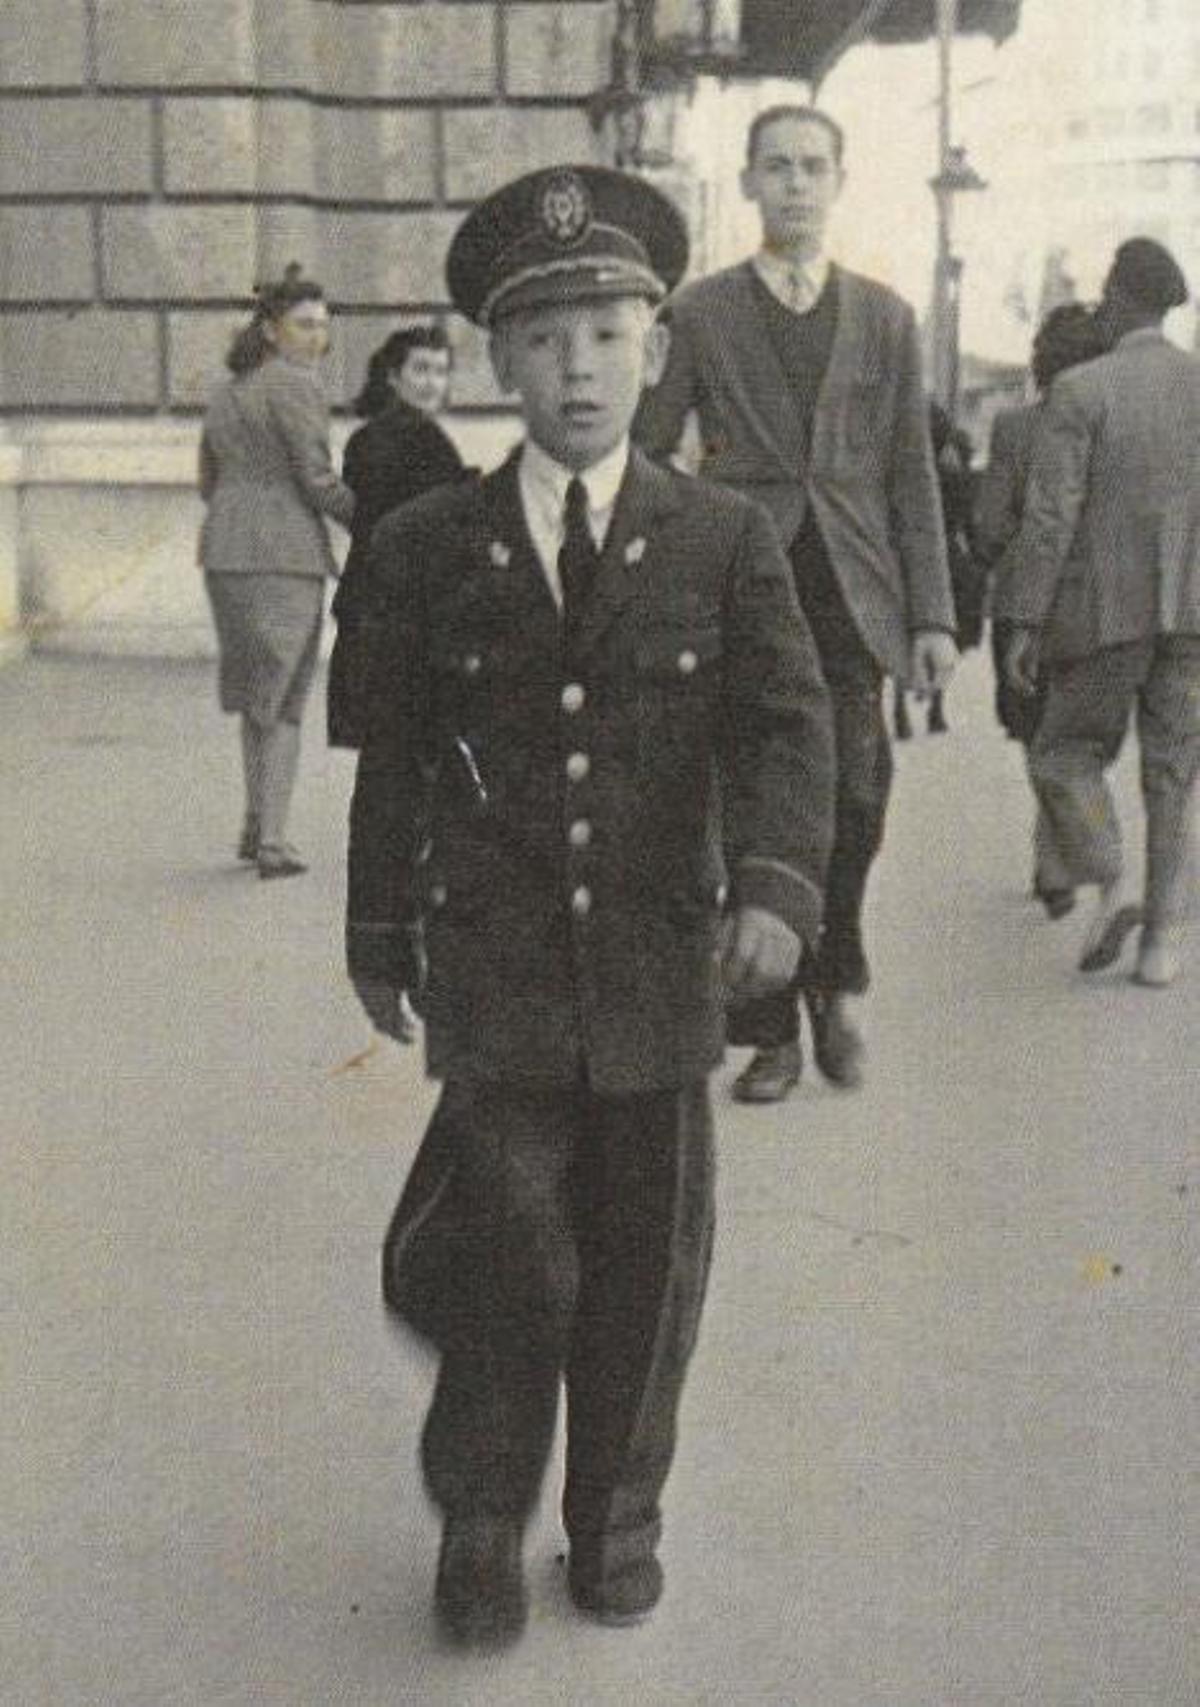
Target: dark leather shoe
{"type": "Point", "coordinates": [627, 1595]}
{"type": "Point", "coordinates": [279, 860]}
{"type": "Point", "coordinates": [480, 1598]}
{"type": "Point", "coordinates": [1105, 951]}
{"type": "Point", "coordinates": [771, 1074]}
{"type": "Point", "coordinates": [1057, 902]}
{"type": "Point", "coordinates": [837, 1043]}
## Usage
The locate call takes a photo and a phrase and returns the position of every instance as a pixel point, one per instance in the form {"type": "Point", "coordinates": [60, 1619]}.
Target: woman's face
{"type": "Point", "coordinates": [302, 334]}
{"type": "Point", "coordinates": [423, 380]}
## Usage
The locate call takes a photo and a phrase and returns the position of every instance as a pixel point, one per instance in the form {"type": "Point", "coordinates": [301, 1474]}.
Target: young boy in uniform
{"type": "Point", "coordinates": [596, 786]}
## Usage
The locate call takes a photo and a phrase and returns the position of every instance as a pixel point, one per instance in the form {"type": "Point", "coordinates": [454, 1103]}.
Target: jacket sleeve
{"type": "Point", "coordinates": [302, 421]}
{"type": "Point", "coordinates": [1053, 503]}
{"type": "Point", "coordinates": [914, 503]}
{"type": "Point", "coordinates": [662, 414]}
{"type": "Point", "coordinates": [389, 807]}
{"type": "Point", "coordinates": [778, 782]}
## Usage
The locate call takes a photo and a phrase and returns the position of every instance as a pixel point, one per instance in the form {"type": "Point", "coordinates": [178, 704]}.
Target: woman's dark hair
{"type": "Point", "coordinates": [272, 300]}
{"type": "Point", "coordinates": [376, 394]}
{"type": "Point", "coordinates": [1067, 336]}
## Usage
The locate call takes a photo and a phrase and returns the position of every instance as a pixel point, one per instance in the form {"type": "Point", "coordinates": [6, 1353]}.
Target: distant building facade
{"type": "Point", "coordinates": [159, 157]}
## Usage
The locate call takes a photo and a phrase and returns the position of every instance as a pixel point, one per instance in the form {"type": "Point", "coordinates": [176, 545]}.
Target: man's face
{"type": "Point", "coordinates": [579, 368]}
{"type": "Point", "coordinates": [794, 179]}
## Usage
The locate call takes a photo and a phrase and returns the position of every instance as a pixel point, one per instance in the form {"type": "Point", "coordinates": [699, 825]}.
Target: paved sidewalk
{"type": "Point", "coordinates": [940, 1445]}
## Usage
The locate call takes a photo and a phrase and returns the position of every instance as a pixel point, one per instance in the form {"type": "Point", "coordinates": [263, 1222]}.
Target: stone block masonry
{"type": "Point", "coordinates": [161, 155]}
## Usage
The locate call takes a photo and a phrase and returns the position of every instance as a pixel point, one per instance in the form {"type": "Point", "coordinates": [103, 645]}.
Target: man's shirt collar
{"type": "Point", "coordinates": [541, 476]}
{"type": "Point", "coordinates": [779, 275]}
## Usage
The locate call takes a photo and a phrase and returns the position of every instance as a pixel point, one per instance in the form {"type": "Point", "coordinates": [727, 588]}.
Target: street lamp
{"type": "Point", "coordinates": [955, 175]}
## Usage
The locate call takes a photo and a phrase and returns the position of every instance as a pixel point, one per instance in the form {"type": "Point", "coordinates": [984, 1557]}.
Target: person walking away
{"type": "Point", "coordinates": [399, 452]}
{"type": "Point", "coordinates": [952, 456]}
{"type": "Point", "coordinates": [806, 381]}
{"type": "Point", "coordinates": [1067, 336]}
{"type": "Point", "coordinates": [1105, 592]}
{"type": "Point", "coordinates": [586, 665]}
{"type": "Point", "coordinates": [268, 483]}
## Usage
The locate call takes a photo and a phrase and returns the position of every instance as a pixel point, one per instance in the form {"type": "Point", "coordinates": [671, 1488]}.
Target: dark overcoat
{"type": "Point", "coordinates": [563, 828]}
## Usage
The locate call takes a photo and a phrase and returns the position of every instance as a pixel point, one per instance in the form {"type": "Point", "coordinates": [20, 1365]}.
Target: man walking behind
{"type": "Point", "coordinates": [806, 379]}
{"type": "Point", "coordinates": [1106, 594]}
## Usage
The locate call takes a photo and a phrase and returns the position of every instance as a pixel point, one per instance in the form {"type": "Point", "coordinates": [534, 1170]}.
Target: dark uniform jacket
{"type": "Point", "coordinates": [556, 826]}
{"type": "Point", "coordinates": [867, 473]}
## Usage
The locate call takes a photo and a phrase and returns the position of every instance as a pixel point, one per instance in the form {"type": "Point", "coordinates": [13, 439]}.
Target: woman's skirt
{"type": "Point", "coordinates": [268, 636]}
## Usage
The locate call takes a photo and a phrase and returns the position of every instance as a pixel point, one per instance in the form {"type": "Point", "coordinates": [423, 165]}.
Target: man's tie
{"type": "Point", "coordinates": [800, 291]}
{"type": "Point", "coordinates": [577, 559]}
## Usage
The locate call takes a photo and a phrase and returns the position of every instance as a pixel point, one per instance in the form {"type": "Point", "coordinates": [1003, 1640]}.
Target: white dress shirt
{"type": "Point", "coordinates": [797, 284]}
{"type": "Point", "coordinates": [543, 483]}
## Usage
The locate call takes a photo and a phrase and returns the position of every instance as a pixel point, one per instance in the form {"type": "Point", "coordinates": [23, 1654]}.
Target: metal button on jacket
{"type": "Point", "coordinates": [437, 895]}
{"type": "Point", "coordinates": [573, 697]}
{"type": "Point", "coordinates": [472, 664]}
{"type": "Point", "coordinates": [578, 766]}
{"type": "Point", "coordinates": [581, 901]}
{"type": "Point", "coordinates": [687, 662]}
{"type": "Point", "coordinates": [580, 833]}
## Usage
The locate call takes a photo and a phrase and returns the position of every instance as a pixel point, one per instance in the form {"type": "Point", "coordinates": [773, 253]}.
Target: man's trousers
{"type": "Point", "coordinates": [1088, 705]}
{"type": "Point", "coordinates": [863, 780]}
{"type": "Point", "coordinates": [549, 1234]}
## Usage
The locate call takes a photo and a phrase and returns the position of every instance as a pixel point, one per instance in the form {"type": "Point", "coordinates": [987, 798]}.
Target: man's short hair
{"type": "Point", "coordinates": [800, 115]}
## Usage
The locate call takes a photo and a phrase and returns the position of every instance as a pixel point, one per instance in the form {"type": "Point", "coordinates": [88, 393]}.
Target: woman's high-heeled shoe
{"type": "Point", "coordinates": [279, 860]}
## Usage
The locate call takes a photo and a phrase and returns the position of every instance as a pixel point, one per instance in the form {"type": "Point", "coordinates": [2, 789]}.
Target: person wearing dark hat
{"type": "Point", "coordinates": [1104, 595]}
{"type": "Point", "coordinates": [577, 654]}
{"type": "Point", "coordinates": [805, 379]}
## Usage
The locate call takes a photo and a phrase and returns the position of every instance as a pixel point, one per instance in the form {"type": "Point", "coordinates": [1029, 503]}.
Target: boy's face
{"type": "Point", "coordinates": [794, 179]}
{"type": "Point", "coordinates": [579, 368]}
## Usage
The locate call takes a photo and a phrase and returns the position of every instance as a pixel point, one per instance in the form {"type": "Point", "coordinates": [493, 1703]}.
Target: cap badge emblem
{"type": "Point", "coordinates": [565, 209]}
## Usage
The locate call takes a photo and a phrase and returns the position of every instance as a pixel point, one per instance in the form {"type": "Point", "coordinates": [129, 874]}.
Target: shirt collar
{"type": "Point", "coordinates": [550, 479]}
{"type": "Point", "coordinates": [1143, 335]}
{"type": "Point", "coordinates": [774, 270]}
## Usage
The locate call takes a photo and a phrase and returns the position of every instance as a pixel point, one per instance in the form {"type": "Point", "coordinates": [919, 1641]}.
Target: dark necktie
{"type": "Point", "coordinates": [577, 559]}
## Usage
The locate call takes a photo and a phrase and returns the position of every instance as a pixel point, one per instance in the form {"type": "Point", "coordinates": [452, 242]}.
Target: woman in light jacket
{"type": "Point", "coordinates": [268, 481]}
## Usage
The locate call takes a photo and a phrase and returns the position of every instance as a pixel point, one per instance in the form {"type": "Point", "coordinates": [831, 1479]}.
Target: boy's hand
{"type": "Point", "coordinates": [388, 1008]}
{"type": "Point", "coordinates": [760, 954]}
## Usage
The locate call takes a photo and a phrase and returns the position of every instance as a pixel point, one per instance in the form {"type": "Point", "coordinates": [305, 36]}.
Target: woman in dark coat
{"type": "Point", "coordinates": [399, 453]}
{"type": "Point", "coordinates": [268, 483]}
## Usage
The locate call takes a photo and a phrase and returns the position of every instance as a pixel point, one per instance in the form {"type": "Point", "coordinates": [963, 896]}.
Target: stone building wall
{"type": "Point", "coordinates": [158, 157]}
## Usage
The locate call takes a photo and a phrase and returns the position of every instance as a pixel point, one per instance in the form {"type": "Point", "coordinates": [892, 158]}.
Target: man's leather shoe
{"type": "Point", "coordinates": [837, 1043]}
{"type": "Point", "coordinates": [771, 1074]}
{"type": "Point", "coordinates": [1103, 947]}
{"type": "Point", "coordinates": [247, 847]}
{"type": "Point", "coordinates": [623, 1596]}
{"type": "Point", "coordinates": [481, 1598]}
{"type": "Point", "coordinates": [279, 859]}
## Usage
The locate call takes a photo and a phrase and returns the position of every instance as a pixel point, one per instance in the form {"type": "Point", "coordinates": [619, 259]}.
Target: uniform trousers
{"type": "Point", "coordinates": [547, 1234]}
{"type": "Point", "coordinates": [863, 761]}
{"type": "Point", "coordinates": [1088, 705]}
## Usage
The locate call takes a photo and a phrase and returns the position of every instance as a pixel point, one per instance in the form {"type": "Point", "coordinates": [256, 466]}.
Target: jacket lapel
{"type": "Point", "coordinates": [505, 542]}
{"type": "Point", "coordinates": [646, 497]}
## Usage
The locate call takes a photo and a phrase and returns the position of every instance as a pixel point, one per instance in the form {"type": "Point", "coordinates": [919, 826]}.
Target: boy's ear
{"type": "Point", "coordinates": [498, 350]}
{"type": "Point", "coordinates": [657, 347]}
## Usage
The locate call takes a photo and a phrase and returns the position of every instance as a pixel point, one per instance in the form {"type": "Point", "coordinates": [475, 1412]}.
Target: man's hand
{"type": "Point", "coordinates": [388, 1007]}
{"type": "Point", "coordinates": [760, 954]}
{"type": "Point", "coordinates": [932, 662]}
{"type": "Point", "coordinates": [1022, 660]}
